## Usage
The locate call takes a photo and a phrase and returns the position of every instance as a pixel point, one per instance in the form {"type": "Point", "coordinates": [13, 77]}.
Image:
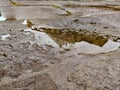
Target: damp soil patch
{"type": "Point", "coordinates": [82, 41]}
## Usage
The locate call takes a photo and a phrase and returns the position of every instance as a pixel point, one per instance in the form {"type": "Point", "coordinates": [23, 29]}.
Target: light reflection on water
{"type": "Point", "coordinates": [85, 47]}
{"type": "Point", "coordinates": [43, 39]}
{"type": "Point", "coordinates": [2, 18]}
{"type": "Point", "coordinates": [81, 45]}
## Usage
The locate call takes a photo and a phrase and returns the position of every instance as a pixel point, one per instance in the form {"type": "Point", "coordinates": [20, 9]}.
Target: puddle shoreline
{"type": "Point", "coordinates": [74, 42]}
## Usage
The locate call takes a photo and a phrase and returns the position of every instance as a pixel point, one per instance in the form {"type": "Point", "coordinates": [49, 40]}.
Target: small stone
{"type": "Point", "coordinates": [92, 22]}
{"type": "Point", "coordinates": [22, 30]}
{"type": "Point", "coordinates": [5, 55]}
{"type": "Point", "coordinates": [76, 20]}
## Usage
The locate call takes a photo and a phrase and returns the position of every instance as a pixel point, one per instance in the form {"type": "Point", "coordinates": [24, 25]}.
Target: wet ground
{"type": "Point", "coordinates": [65, 45]}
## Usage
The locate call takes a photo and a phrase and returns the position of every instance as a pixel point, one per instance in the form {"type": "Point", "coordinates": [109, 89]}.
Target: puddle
{"type": "Point", "coordinates": [84, 47]}
{"type": "Point", "coordinates": [74, 42]}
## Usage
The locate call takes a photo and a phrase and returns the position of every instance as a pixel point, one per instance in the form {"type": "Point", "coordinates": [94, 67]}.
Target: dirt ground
{"type": "Point", "coordinates": [73, 45]}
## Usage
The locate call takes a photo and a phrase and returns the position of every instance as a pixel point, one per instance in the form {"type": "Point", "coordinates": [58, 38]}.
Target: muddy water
{"type": "Point", "coordinates": [41, 38]}
{"type": "Point", "coordinates": [74, 42]}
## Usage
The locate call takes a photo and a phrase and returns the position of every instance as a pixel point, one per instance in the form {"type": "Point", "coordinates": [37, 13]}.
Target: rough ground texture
{"type": "Point", "coordinates": [27, 65]}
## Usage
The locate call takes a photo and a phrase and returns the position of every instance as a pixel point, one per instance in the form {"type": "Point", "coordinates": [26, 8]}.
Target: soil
{"type": "Point", "coordinates": [66, 45]}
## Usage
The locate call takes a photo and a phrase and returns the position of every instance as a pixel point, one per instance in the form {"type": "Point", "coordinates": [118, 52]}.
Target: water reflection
{"type": "Point", "coordinates": [75, 42]}
{"type": "Point", "coordinates": [2, 18]}
{"type": "Point", "coordinates": [72, 37]}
